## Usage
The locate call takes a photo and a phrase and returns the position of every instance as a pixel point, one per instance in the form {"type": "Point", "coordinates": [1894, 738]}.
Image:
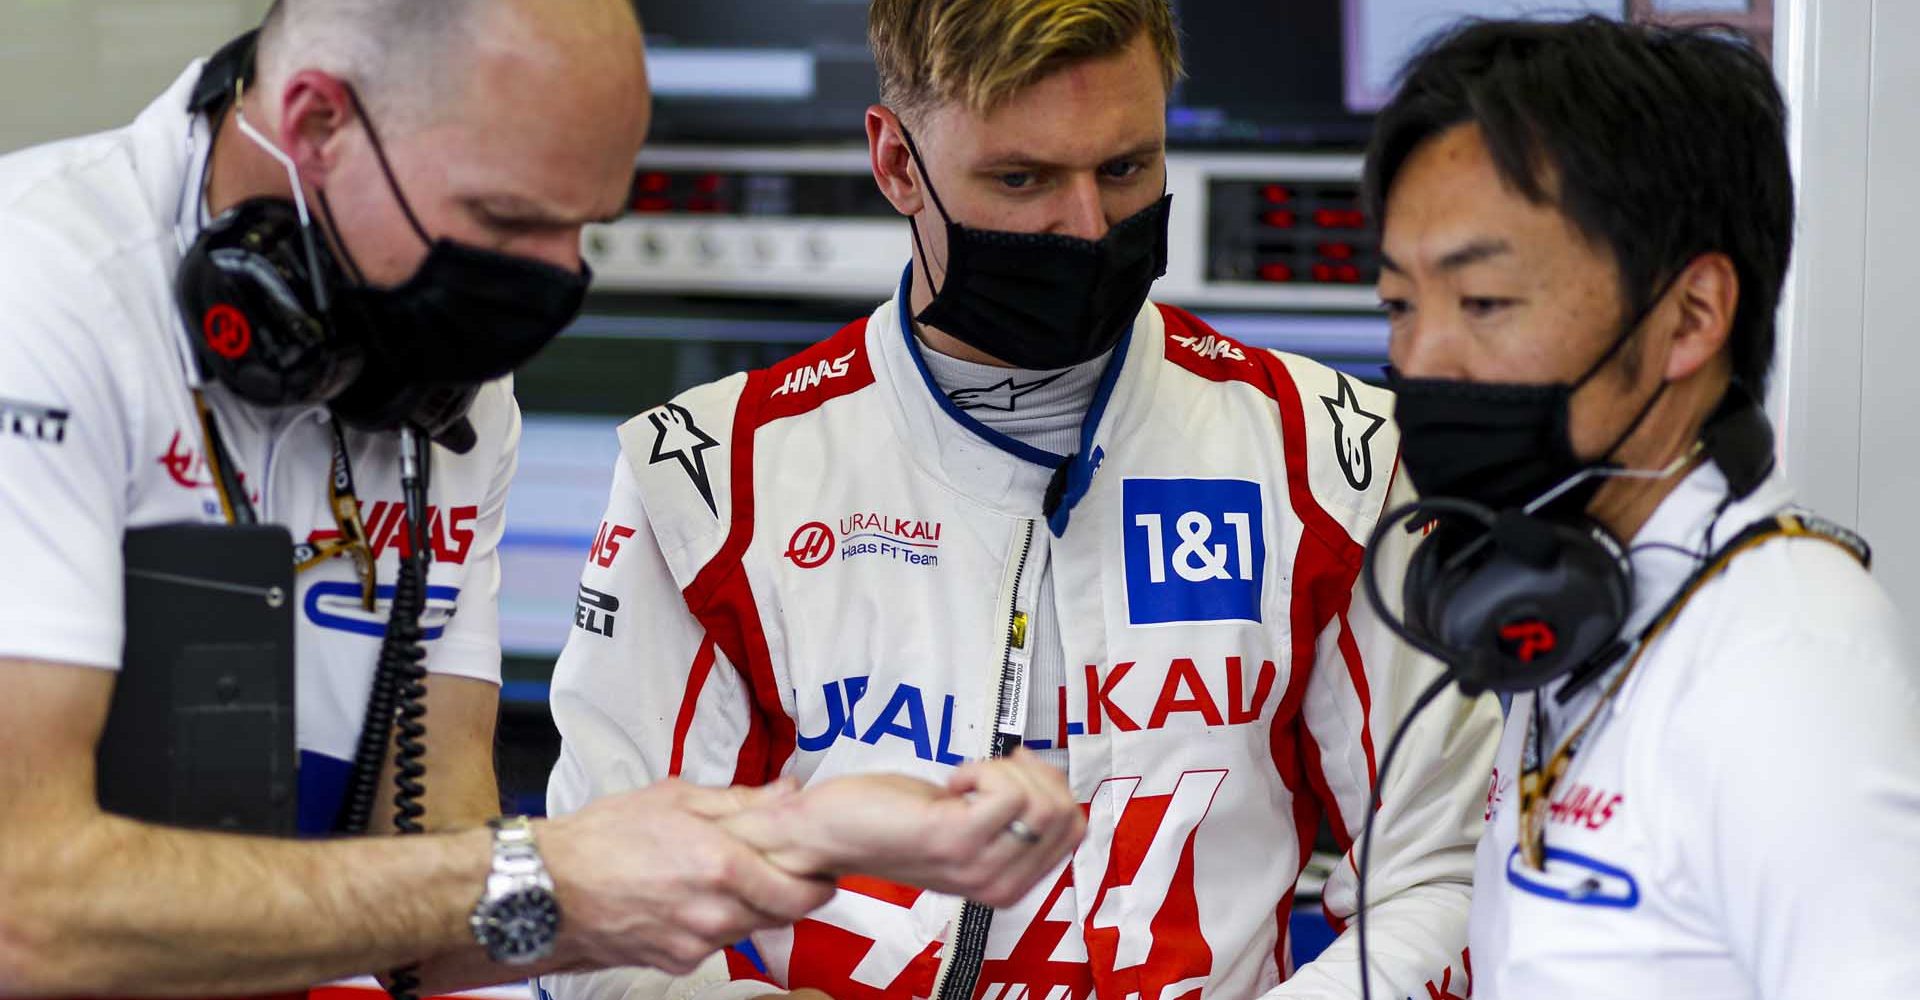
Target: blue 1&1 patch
{"type": "Point", "coordinates": [1196, 550]}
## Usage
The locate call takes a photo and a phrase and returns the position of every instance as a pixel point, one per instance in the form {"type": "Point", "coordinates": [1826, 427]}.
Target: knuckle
{"type": "Point", "coordinates": [712, 924]}
{"type": "Point", "coordinates": [686, 954]}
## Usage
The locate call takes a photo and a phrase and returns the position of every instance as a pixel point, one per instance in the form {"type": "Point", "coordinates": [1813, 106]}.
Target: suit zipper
{"type": "Point", "coordinates": [960, 972]}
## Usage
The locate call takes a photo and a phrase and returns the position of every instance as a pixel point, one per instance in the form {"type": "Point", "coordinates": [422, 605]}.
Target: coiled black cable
{"type": "Point", "coordinates": [397, 696]}
{"type": "Point", "coordinates": [408, 667]}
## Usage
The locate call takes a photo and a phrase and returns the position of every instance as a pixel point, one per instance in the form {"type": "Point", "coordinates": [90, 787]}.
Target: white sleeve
{"type": "Point", "coordinates": [1795, 775]}
{"type": "Point", "coordinates": [64, 471]}
{"type": "Point", "coordinates": [652, 699]}
{"type": "Point", "coordinates": [1431, 805]}
{"type": "Point", "coordinates": [471, 645]}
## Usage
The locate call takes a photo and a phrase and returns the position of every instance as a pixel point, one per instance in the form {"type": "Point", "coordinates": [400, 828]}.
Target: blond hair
{"type": "Point", "coordinates": [979, 53]}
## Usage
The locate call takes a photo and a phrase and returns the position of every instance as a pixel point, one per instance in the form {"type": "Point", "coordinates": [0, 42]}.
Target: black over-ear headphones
{"type": "Point", "coordinates": [253, 287]}
{"type": "Point", "coordinates": [1512, 601]}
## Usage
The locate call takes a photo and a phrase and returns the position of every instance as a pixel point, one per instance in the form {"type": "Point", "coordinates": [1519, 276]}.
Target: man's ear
{"type": "Point", "coordinates": [315, 109]}
{"type": "Point", "coordinates": [1707, 294]}
{"type": "Point", "coordinates": [893, 166]}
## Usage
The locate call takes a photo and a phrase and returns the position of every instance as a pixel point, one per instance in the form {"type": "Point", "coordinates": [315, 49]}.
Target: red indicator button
{"type": "Point", "coordinates": [1336, 274]}
{"type": "Point", "coordinates": [1339, 218]}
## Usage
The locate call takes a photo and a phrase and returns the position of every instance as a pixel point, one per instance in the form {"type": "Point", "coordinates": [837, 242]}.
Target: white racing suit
{"type": "Point", "coordinates": [818, 569]}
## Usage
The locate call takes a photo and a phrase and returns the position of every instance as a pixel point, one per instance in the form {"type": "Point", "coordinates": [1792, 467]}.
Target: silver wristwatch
{"type": "Point", "coordinates": [517, 919]}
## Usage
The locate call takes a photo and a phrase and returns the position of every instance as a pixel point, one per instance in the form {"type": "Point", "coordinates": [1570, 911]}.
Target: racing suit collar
{"type": "Point", "coordinates": [986, 465]}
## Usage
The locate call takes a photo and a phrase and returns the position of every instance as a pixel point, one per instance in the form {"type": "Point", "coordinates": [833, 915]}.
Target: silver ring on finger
{"type": "Point", "coordinates": [1020, 831]}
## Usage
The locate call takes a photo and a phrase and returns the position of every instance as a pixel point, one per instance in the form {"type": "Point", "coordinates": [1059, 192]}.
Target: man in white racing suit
{"type": "Point", "coordinates": [1021, 507]}
{"type": "Point", "coordinates": [504, 126]}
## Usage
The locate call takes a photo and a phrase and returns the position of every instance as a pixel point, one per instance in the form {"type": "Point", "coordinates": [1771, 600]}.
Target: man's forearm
{"type": "Point", "coordinates": [109, 906]}
{"type": "Point", "coordinates": [469, 968]}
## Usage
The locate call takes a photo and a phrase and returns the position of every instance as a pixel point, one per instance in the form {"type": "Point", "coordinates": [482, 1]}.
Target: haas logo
{"type": "Point", "coordinates": [877, 941]}
{"type": "Point", "coordinates": [1211, 347]}
{"type": "Point", "coordinates": [811, 546]}
{"type": "Point", "coordinates": [227, 331]}
{"type": "Point", "coordinates": [802, 379]}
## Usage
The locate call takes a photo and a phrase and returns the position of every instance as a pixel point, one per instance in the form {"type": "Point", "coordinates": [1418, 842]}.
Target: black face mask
{"type": "Point", "coordinates": [1504, 446]}
{"type": "Point", "coordinates": [1043, 301]}
{"type": "Point", "coordinates": [466, 316]}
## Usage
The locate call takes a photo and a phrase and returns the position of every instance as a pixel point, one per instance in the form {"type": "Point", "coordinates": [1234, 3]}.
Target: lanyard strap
{"type": "Point", "coordinates": [235, 507]}
{"type": "Point", "coordinates": [1538, 779]}
{"type": "Point", "coordinates": [351, 538]}
{"type": "Point", "coordinates": [342, 499]}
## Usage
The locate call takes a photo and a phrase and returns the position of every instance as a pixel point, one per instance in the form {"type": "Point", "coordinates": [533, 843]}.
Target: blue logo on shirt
{"type": "Point", "coordinates": [1574, 878]}
{"type": "Point", "coordinates": [336, 605]}
{"type": "Point", "coordinates": [1196, 550]}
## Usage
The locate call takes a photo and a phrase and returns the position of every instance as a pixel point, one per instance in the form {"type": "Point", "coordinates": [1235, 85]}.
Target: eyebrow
{"type": "Point", "coordinates": [1026, 162]}
{"type": "Point", "coordinates": [1475, 252]}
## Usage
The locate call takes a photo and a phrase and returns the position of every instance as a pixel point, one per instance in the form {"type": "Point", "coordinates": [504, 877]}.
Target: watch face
{"type": "Point", "coordinates": [520, 928]}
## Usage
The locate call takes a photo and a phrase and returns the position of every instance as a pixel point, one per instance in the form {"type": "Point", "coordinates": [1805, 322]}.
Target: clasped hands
{"type": "Point", "coordinates": [667, 875]}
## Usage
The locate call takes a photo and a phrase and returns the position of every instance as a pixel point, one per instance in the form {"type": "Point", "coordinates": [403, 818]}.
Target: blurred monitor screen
{"type": "Point", "coordinates": [1260, 73]}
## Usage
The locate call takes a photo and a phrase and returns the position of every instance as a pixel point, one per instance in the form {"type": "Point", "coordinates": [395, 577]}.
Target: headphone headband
{"type": "Point", "coordinates": [1738, 438]}
{"type": "Point", "coordinates": [223, 73]}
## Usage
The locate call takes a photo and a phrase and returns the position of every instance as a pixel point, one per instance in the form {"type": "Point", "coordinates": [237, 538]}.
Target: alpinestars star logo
{"type": "Point", "coordinates": [678, 438]}
{"type": "Point", "coordinates": [1003, 396]}
{"type": "Point", "coordinates": [1353, 431]}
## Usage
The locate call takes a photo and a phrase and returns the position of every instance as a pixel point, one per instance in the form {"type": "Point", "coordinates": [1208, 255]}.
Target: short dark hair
{"type": "Point", "coordinates": [1666, 143]}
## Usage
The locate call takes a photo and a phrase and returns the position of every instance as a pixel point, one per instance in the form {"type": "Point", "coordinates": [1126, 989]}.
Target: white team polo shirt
{"type": "Point", "coordinates": [98, 435]}
{"type": "Point", "coordinates": [1745, 823]}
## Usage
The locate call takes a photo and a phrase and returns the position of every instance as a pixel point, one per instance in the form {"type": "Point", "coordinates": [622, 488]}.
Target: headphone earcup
{"type": "Point", "coordinates": [1533, 601]}
{"type": "Point", "coordinates": [246, 292]}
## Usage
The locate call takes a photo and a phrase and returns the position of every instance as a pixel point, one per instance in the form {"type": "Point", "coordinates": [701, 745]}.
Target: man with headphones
{"type": "Point", "coordinates": [256, 304]}
{"type": "Point", "coordinates": [1586, 227]}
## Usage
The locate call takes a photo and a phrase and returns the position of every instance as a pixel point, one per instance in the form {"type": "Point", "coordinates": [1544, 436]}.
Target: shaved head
{"type": "Point", "coordinates": [506, 125]}
{"type": "Point", "coordinates": [415, 61]}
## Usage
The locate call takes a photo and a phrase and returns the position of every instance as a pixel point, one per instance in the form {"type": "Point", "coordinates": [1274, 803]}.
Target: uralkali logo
{"type": "Point", "coordinates": [907, 540]}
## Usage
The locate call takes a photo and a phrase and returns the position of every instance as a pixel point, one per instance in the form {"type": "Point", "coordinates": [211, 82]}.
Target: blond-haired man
{"type": "Point", "coordinates": [1022, 511]}
{"type": "Point", "coordinates": [503, 127]}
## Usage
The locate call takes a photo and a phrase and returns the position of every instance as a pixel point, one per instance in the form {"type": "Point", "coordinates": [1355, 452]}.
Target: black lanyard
{"type": "Point", "coordinates": [1538, 779]}
{"type": "Point", "coordinates": [235, 506]}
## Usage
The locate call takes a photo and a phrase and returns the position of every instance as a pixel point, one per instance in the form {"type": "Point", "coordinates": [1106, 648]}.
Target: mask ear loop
{"type": "Point", "coordinates": [386, 169]}
{"type": "Point", "coordinates": [921, 166]}
{"type": "Point", "coordinates": [1601, 469]}
{"type": "Point", "coordinates": [320, 297]}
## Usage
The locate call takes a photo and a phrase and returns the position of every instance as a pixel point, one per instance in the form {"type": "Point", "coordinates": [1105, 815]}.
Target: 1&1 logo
{"type": "Point", "coordinates": [1196, 550]}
